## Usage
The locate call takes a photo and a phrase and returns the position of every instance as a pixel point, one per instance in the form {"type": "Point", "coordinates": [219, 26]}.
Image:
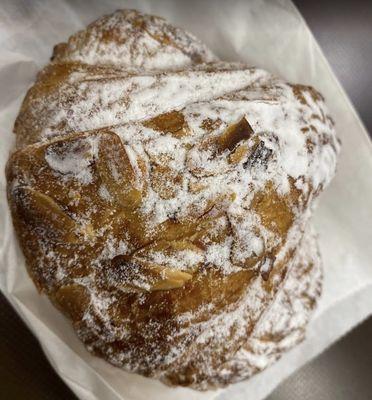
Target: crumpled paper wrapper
{"type": "Point", "coordinates": [268, 34]}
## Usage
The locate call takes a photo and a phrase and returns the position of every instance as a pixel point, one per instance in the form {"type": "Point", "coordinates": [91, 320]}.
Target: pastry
{"type": "Point", "coordinates": [162, 200]}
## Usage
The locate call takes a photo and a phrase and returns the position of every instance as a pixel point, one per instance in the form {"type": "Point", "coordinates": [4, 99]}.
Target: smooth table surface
{"type": "Point", "coordinates": [344, 31]}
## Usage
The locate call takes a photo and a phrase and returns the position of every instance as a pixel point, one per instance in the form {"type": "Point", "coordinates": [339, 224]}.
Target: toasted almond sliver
{"type": "Point", "coordinates": [172, 279]}
{"type": "Point", "coordinates": [41, 210]}
{"type": "Point", "coordinates": [172, 122]}
{"type": "Point", "coordinates": [116, 172]}
{"type": "Point", "coordinates": [234, 134]}
{"type": "Point", "coordinates": [144, 275]}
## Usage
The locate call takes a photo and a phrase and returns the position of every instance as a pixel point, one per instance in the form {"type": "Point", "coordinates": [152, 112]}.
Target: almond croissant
{"type": "Point", "coordinates": [162, 197]}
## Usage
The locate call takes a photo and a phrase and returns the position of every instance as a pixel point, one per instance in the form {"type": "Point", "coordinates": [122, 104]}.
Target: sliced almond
{"type": "Point", "coordinates": [41, 210]}
{"type": "Point", "coordinates": [210, 150]}
{"type": "Point", "coordinates": [234, 134]}
{"type": "Point", "coordinates": [143, 275]}
{"type": "Point", "coordinates": [172, 122]}
{"type": "Point", "coordinates": [116, 172]}
{"type": "Point", "coordinates": [171, 279]}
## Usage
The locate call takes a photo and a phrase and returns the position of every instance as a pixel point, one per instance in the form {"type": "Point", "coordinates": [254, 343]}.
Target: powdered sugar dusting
{"type": "Point", "coordinates": [138, 40]}
{"type": "Point", "coordinates": [74, 160]}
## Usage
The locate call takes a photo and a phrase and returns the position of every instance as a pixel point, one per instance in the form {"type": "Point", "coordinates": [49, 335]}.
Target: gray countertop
{"type": "Point", "coordinates": [344, 31]}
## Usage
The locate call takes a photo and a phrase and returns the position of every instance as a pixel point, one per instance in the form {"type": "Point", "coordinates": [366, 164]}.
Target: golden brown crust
{"type": "Point", "coordinates": [161, 198]}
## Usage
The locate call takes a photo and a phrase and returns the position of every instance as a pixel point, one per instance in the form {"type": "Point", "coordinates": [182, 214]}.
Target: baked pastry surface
{"type": "Point", "coordinates": [162, 200]}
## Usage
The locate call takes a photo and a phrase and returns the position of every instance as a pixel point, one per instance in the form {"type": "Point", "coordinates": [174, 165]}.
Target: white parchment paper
{"type": "Point", "coordinates": [270, 34]}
